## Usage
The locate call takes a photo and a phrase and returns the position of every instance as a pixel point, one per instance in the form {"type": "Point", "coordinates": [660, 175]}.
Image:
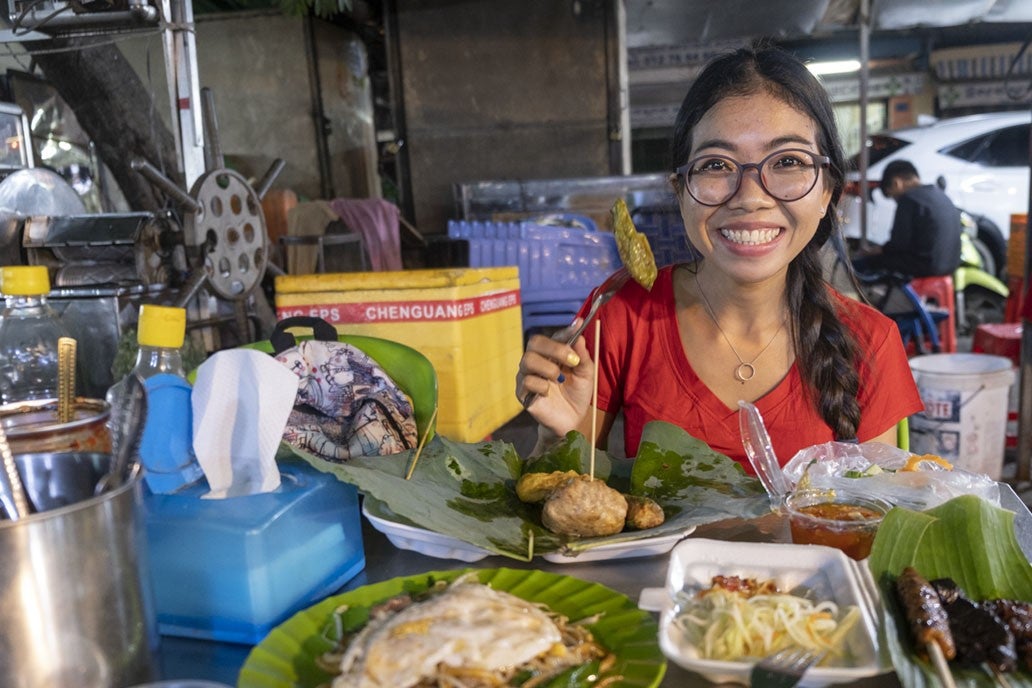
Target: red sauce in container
{"type": "Point", "coordinates": [846, 523]}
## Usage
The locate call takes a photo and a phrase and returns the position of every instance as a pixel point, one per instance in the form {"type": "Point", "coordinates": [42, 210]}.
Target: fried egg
{"type": "Point", "coordinates": [469, 625]}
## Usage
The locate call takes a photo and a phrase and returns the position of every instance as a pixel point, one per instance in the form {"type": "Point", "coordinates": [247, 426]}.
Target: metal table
{"type": "Point", "coordinates": [183, 658]}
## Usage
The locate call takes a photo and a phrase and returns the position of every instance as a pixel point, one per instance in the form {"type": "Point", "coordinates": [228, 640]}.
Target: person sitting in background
{"type": "Point", "coordinates": [925, 237]}
{"type": "Point", "coordinates": [757, 170]}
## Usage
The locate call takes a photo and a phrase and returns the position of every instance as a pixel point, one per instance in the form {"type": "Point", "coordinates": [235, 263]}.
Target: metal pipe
{"type": "Point", "coordinates": [1025, 404]}
{"type": "Point", "coordinates": [865, 45]}
{"type": "Point", "coordinates": [1024, 468]}
{"type": "Point", "coordinates": [193, 285]}
{"type": "Point", "coordinates": [395, 86]}
{"type": "Point", "coordinates": [114, 19]}
{"type": "Point", "coordinates": [143, 11]}
{"type": "Point", "coordinates": [213, 158]}
{"type": "Point", "coordinates": [270, 176]}
{"type": "Point", "coordinates": [322, 146]}
{"type": "Point", "coordinates": [159, 180]}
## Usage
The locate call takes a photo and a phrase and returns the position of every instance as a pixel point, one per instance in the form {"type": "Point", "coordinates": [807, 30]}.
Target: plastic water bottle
{"type": "Point", "coordinates": [29, 330]}
{"type": "Point", "coordinates": [166, 449]}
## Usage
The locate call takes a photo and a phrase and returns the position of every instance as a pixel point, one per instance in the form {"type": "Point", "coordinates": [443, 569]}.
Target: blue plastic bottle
{"type": "Point", "coordinates": [166, 449]}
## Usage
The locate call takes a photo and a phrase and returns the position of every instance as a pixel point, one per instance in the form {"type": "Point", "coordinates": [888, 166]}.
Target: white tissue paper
{"type": "Point", "coordinates": [241, 401]}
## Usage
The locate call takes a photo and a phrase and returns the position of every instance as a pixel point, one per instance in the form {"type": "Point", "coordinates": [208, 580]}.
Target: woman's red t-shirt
{"type": "Point", "coordinates": [644, 372]}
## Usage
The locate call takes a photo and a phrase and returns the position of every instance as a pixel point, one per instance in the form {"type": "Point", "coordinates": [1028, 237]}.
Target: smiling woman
{"type": "Point", "coordinates": [757, 170]}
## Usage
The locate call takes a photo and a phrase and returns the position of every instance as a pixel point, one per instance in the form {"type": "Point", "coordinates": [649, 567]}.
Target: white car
{"type": "Point", "coordinates": [982, 162]}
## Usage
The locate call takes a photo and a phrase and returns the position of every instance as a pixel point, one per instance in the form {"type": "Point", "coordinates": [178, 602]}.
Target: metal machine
{"type": "Point", "coordinates": [210, 257]}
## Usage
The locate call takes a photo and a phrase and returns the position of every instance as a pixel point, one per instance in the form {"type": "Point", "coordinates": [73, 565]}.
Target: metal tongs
{"type": "Point", "coordinates": [761, 455]}
{"type": "Point", "coordinates": [605, 292]}
{"type": "Point", "coordinates": [128, 415]}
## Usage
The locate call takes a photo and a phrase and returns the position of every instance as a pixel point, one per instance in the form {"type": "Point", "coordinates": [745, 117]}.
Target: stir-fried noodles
{"type": "Point", "coordinates": [463, 635]}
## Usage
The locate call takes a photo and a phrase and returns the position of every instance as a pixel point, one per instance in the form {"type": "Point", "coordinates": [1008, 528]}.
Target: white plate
{"type": "Point", "coordinates": [827, 572]}
{"type": "Point", "coordinates": [405, 536]}
{"type": "Point", "coordinates": [645, 547]}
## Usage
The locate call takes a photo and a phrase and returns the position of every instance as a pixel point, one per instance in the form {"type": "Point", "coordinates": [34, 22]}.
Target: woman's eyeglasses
{"type": "Point", "coordinates": [786, 175]}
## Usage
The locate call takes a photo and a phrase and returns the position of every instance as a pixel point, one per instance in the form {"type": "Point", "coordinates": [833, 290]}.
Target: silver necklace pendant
{"type": "Point", "coordinates": [744, 372]}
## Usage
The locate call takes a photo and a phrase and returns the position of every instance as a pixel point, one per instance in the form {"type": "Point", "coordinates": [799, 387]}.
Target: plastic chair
{"type": "Point", "coordinates": [320, 243]}
{"type": "Point", "coordinates": [940, 290]}
{"type": "Point", "coordinates": [918, 325]}
{"type": "Point", "coordinates": [411, 371]}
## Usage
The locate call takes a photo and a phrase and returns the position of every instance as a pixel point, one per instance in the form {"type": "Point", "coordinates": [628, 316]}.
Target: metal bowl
{"type": "Point", "coordinates": [34, 426]}
{"type": "Point", "coordinates": [54, 480]}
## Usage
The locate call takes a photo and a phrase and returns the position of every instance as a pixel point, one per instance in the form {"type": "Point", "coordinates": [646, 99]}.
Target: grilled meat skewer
{"type": "Point", "coordinates": [925, 615]}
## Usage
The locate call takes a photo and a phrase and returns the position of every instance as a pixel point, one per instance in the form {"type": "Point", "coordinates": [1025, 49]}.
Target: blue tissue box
{"type": "Point", "coordinates": [233, 569]}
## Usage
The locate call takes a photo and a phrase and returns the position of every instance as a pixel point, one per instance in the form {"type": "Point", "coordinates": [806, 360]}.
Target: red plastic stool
{"type": "Point", "coordinates": [940, 290]}
{"type": "Point", "coordinates": [1016, 300]}
{"type": "Point", "coordinates": [999, 339]}
{"type": "Point", "coordinates": [1002, 339]}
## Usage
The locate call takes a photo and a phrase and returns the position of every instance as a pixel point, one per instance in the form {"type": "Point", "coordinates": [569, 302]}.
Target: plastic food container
{"type": "Point", "coordinates": [233, 569]}
{"type": "Point", "coordinates": [819, 573]}
{"type": "Point", "coordinates": [836, 519]}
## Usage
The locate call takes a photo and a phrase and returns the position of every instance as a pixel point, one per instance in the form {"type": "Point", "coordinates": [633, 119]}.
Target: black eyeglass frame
{"type": "Point", "coordinates": [822, 162]}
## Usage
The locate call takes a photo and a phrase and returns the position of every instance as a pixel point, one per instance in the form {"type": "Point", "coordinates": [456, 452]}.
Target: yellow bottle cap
{"type": "Point", "coordinates": [163, 326]}
{"type": "Point", "coordinates": [24, 280]}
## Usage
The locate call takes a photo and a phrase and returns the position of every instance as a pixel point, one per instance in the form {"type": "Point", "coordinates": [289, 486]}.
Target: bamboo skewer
{"type": "Point", "coordinates": [942, 667]}
{"type": "Point", "coordinates": [66, 347]}
{"type": "Point", "coordinates": [594, 397]}
{"type": "Point", "coordinates": [997, 675]}
{"type": "Point", "coordinates": [422, 442]}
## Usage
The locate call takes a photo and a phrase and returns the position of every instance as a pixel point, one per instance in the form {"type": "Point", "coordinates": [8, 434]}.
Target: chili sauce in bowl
{"type": "Point", "coordinates": [846, 522]}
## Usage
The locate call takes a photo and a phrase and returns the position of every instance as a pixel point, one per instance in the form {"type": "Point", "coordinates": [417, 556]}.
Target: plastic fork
{"type": "Point", "coordinates": [760, 451]}
{"type": "Point", "coordinates": [604, 293]}
{"type": "Point", "coordinates": [784, 668]}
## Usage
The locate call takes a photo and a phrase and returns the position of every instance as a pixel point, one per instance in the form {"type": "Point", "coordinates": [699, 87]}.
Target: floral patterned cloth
{"type": "Point", "coordinates": [346, 404]}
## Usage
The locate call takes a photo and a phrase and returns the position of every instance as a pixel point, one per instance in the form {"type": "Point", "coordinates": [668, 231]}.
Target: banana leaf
{"type": "Point", "coordinates": [467, 490]}
{"type": "Point", "coordinates": [966, 539]}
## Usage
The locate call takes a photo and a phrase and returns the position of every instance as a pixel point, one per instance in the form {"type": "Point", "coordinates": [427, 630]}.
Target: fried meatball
{"type": "Point", "coordinates": [643, 513]}
{"type": "Point", "coordinates": [584, 507]}
{"type": "Point", "coordinates": [534, 487]}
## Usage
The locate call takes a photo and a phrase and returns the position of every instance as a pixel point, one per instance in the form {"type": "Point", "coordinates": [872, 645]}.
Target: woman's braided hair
{"type": "Point", "coordinates": [826, 351]}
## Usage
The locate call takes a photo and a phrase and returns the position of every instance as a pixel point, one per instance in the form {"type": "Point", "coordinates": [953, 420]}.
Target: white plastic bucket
{"type": "Point", "coordinates": [965, 416]}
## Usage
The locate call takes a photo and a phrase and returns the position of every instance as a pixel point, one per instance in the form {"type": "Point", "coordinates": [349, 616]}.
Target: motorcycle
{"type": "Point", "coordinates": [979, 295]}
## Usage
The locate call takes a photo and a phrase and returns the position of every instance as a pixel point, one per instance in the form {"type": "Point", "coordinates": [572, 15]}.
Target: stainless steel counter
{"type": "Point", "coordinates": [184, 658]}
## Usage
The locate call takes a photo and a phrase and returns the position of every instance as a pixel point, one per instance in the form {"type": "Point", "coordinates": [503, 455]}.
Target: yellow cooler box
{"type": "Point", "coordinates": [466, 321]}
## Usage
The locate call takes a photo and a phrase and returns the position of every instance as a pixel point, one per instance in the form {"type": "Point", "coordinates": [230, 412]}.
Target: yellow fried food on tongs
{"type": "Point", "coordinates": [633, 246]}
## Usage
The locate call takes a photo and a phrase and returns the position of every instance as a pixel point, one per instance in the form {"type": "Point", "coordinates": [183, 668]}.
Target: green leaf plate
{"type": "Point", "coordinates": [287, 656]}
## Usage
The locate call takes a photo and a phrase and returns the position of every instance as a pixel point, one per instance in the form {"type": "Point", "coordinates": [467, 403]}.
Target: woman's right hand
{"type": "Point", "coordinates": [560, 406]}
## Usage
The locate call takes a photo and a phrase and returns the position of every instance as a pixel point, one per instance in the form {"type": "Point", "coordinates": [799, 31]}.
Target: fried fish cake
{"type": "Point", "coordinates": [535, 487]}
{"type": "Point", "coordinates": [584, 507]}
{"type": "Point", "coordinates": [643, 512]}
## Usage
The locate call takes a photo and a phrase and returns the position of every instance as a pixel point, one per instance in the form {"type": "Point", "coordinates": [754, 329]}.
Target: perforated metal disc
{"type": "Point", "coordinates": [231, 226]}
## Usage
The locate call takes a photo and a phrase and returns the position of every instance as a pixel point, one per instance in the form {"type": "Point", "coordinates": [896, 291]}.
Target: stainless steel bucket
{"type": "Point", "coordinates": [52, 481]}
{"type": "Point", "coordinates": [75, 602]}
